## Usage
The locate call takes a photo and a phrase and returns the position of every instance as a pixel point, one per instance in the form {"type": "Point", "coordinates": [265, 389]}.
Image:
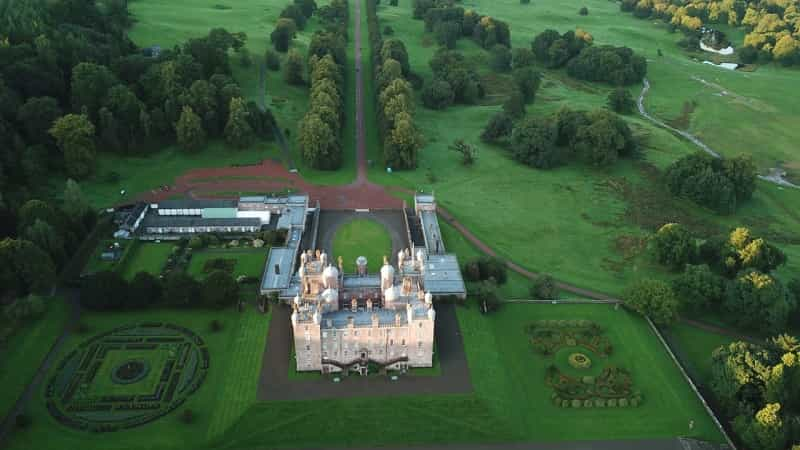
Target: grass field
{"type": "Point", "coordinates": [696, 345]}
{"type": "Point", "coordinates": [227, 391]}
{"type": "Point", "coordinates": [362, 237]}
{"type": "Point", "coordinates": [25, 351]}
{"type": "Point", "coordinates": [249, 261]}
{"type": "Point", "coordinates": [585, 226]}
{"type": "Point", "coordinates": [146, 257]}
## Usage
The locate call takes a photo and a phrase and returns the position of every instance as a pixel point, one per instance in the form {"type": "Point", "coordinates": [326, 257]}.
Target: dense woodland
{"type": "Point", "coordinates": [72, 85]}
{"type": "Point", "coordinates": [773, 26]}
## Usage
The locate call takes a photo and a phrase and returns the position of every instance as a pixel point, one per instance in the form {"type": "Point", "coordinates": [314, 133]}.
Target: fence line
{"type": "Point", "coordinates": [566, 301]}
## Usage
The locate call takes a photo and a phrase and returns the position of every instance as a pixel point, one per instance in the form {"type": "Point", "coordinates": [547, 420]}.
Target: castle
{"type": "Point", "coordinates": [361, 321]}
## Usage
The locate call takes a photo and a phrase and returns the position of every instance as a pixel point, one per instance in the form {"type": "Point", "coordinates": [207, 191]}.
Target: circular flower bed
{"type": "Point", "coordinates": [130, 371]}
{"type": "Point", "coordinates": [579, 361]}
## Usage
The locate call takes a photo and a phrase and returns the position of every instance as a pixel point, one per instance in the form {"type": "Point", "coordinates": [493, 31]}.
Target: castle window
{"type": "Point", "coordinates": [420, 324]}
{"type": "Point", "coordinates": [308, 348]}
{"type": "Point", "coordinates": [391, 341]}
{"type": "Point", "coordinates": [403, 342]}
{"type": "Point", "coordinates": [355, 333]}
{"type": "Point", "coordinates": [419, 344]}
{"type": "Point", "coordinates": [324, 334]}
{"type": "Point", "coordinates": [306, 327]}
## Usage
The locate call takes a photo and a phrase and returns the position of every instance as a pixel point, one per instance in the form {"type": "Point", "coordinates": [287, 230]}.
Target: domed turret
{"type": "Point", "coordinates": [387, 276]}
{"type": "Point", "coordinates": [432, 314]}
{"type": "Point", "coordinates": [330, 277]}
{"type": "Point", "coordinates": [323, 258]}
{"type": "Point", "coordinates": [428, 298]}
{"type": "Point", "coordinates": [391, 294]}
{"type": "Point", "coordinates": [330, 296]}
{"type": "Point", "coordinates": [401, 256]}
{"type": "Point", "coordinates": [421, 258]}
{"type": "Point", "coordinates": [296, 300]}
{"type": "Point", "coordinates": [317, 317]}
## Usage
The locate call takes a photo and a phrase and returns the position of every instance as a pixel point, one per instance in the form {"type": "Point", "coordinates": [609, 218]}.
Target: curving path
{"type": "Point", "coordinates": [775, 176]}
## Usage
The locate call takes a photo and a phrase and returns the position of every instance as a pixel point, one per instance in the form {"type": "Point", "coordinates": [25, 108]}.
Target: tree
{"type": "Point", "coordinates": [238, 132]}
{"type": "Point", "coordinates": [402, 143]}
{"type": "Point", "coordinates": [294, 12]}
{"type": "Point", "coordinates": [674, 246]}
{"type": "Point", "coordinates": [616, 65]}
{"type": "Point", "coordinates": [499, 127]}
{"type": "Point", "coordinates": [437, 94]}
{"type": "Point", "coordinates": [749, 252]}
{"type": "Point", "coordinates": [704, 180]}
{"type": "Point", "coordinates": [396, 50]}
{"type": "Point", "coordinates": [219, 290]}
{"type": "Point", "coordinates": [307, 7]}
{"type": "Point", "coordinates": [90, 84]}
{"type": "Point", "coordinates": [447, 33]}
{"type": "Point", "coordinates": [584, 11]}
{"type": "Point", "coordinates": [487, 297]}
{"type": "Point", "coordinates": [652, 298]}
{"type": "Point", "coordinates": [522, 57]}
{"type": "Point", "coordinates": [766, 431]}
{"type": "Point", "coordinates": [75, 204]}
{"type": "Point", "coordinates": [285, 30]}
{"type": "Point", "coordinates": [293, 69]}
{"type": "Point", "coordinates": [144, 290]}
{"type": "Point", "coordinates": [467, 151]}
{"type": "Point", "coordinates": [44, 236]}
{"type": "Point", "coordinates": [37, 116]}
{"type": "Point", "coordinates": [528, 82]}
{"type": "Point", "coordinates": [74, 135]}
{"type": "Point", "coordinates": [533, 142]}
{"type": "Point", "coordinates": [104, 291]}
{"type": "Point", "coordinates": [318, 143]}
{"type": "Point", "coordinates": [30, 307]}
{"type": "Point", "coordinates": [758, 301]}
{"type": "Point", "coordinates": [514, 105]}
{"type": "Point", "coordinates": [620, 101]}
{"type": "Point", "coordinates": [742, 173]}
{"type": "Point", "coordinates": [180, 289]}
{"type": "Point", "coordinates": [272, 60]}
{"type": "Point", "coordinates": [786, 50]}
{"type": "Point", "coordinates": [190, 132]}
{"type": "Point", "coordinates": [24, 268]}
{"type": "Point", "coordinates": [500, 58]}
{"type": "Point", "coordinates": [698, 288]}
{"type": "Point", "coordinates": [544, 288]}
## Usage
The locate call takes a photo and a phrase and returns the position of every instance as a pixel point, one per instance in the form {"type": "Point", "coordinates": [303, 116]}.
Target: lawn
{"type": "Point", "coordinates": [146, 257]}
{"type": "Point", "coordinates": [362, 237]}
{"type": "Point", "coordinates": [585, 226]}
{"type": "Point", "coordinates": [228, 390]}
{"type": "Point", "coordinates": [26, 350]}
{"type": "Point", "coordinates": [103, 384]}
{"type": "Point", "coordinates": [695, 346]}
{"type": "Point", "coordinates": [248, 261]}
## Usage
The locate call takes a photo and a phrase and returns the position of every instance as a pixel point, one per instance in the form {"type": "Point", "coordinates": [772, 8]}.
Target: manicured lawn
{"type": "Point", "coordinates": [103, 384]}
{"type": "Point", "coordinates": [362, 237]}
{"type": "Point", "coordinates": [26, 350]}
{"type": "Point", "coordinates": [228, 390]}
{"type": "Point", "coordinates": [588, 226]}
{"type": "Point", "coordinates": [249, 261]}
{"type": "Point", "coordinates": [146, 257]}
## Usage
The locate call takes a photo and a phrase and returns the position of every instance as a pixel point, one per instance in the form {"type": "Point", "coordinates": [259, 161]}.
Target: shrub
{"type": "Point", "coordinates": [620, 101]}
{"type": "Point", "coordinates": [623, 402]}
{"type": "Point", "coordinates": [577, 403]}
{"type": "Point", "coordinates": [187, 416]}
{"type": "Point", "coordinates": [565, 403]}
{"type": "Point", "coordinates": [611, 403]}
{"type": "Point", "coordinates": [437, 94]}
{"type": "Point", "coordinates": [22, 421]}
{"type": "Point", "coordinates": [600, 403]}
{"type": "Point", "coordinates": [388, 31]}
{"type": "Point", "coordinates": [584, 11]}
{"type": "Point", "coordinates": [272, 60]}
{"type": "Point", "coordinates": [544, 288]}
{"type": "Point", "coordinates": [215, 326]}
{"type": "Point", "coordinates": [588, 403]}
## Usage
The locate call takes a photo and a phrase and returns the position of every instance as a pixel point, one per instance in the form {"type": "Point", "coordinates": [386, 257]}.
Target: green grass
{"type": "Point", "coordinates": [104, 385]}
{"type": "Point", "coordinates": [696, 346]}
{"type": "Point", "coordinates": [249, 261]}
{"type": "Point", "coordinates": [362, 237]}
{"type": "Point", "coordinates": [26, 350]}
{"type": "Point", "coordinates": [228, 390]}
{"type": "Point", "coordinates": [586, 226]}
{"type": "Point", "coordinates": [146, 257]}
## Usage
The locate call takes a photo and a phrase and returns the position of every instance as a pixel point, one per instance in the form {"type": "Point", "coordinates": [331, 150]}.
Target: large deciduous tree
{"type": "Point", "coordinates": [238, 131]}
{"type": "Point", "coordinates": [653, 298]}
{"type": "Point", "coordinates": [190, 132]}
{"type": "Point", "coordinates": [219, 289]}
{"type": "Point", "coordinates": [674, 246]}
{"type": "Point", "coordinates": [24, 268]}
{"type": "Point", "coordinates": [285, 30]}
{"type": "Point", "coordinates": [74, 134]}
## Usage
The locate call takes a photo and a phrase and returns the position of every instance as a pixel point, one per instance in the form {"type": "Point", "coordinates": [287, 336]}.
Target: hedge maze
{"type": "Point", "coordinates": [579, 374]}
{"type": "Point", "coordinates": [127, 377]}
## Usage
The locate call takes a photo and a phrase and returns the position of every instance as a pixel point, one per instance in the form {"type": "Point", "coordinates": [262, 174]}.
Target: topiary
{"type": "Point", "coordinates": [612, 403]}
{"type": "Point", "coordinates": [599, 403]}
{"type": "Point", "coordinates": [576, 403]}
{"type": "Point", "coordinates": [588, 403]}
{"type": "Point", "coordinates": [588, 379]}
{"type": "Point", "coordinates": [623, 402]}
{"type": "Point", "coordinates": [565, 403]}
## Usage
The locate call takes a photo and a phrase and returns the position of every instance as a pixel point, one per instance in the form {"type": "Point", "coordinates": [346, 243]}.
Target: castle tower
{"type": "Point", "coordinates": [387, 275]}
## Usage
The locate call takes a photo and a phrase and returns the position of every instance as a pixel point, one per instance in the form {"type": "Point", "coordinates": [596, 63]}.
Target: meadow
{"type": "Point", "coordinates": [585, 226]}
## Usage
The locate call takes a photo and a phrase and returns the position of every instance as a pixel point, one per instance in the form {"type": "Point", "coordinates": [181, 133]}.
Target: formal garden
{"type": "Point", "coordinates": [127, 377]}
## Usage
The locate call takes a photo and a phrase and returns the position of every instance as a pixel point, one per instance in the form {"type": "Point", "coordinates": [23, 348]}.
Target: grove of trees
{"type": "Point", "coordinates": [772, 27]}
{"type": "Point", "coordinates": [718, 184]}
